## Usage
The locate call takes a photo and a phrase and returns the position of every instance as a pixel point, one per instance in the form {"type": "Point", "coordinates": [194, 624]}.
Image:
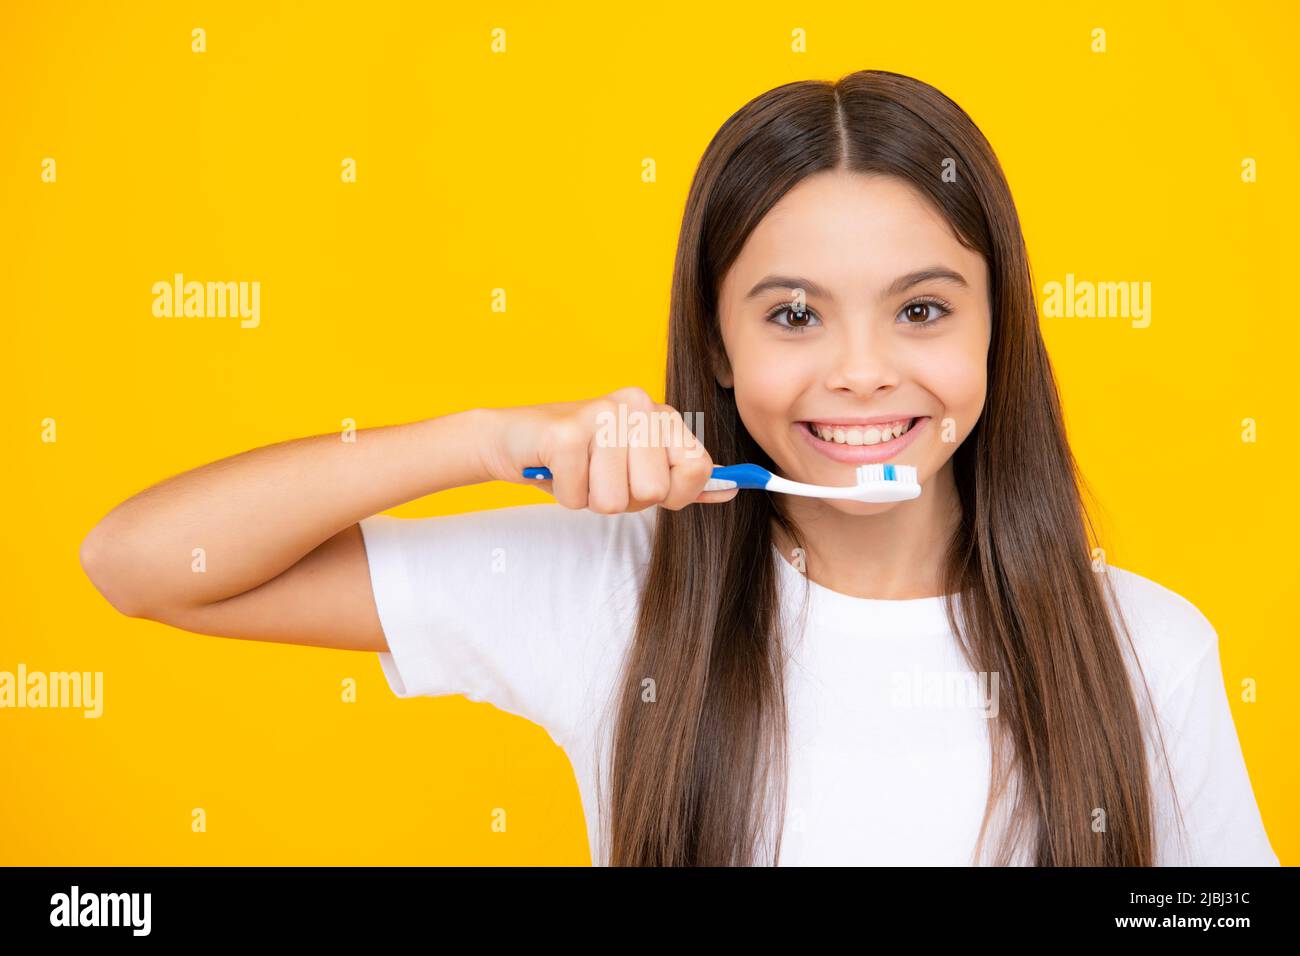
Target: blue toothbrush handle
{"type": "Point", "coordinates": [745, 476]}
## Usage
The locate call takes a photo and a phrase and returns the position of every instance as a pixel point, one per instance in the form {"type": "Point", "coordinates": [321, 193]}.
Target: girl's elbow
{"type": "Point", "coordinates": [104, 564]}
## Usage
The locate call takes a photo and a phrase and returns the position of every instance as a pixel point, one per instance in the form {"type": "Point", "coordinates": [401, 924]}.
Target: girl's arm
{"type": "Point", "coordinates": [282, 555]}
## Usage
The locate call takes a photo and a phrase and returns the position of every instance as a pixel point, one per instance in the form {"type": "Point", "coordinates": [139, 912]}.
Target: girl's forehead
{"type": "Point", "coordinates": [848, 230]}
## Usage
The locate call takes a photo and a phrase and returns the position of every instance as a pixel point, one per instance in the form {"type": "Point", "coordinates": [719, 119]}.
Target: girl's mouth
{"type": "Point", "coordinates": [862, 444]}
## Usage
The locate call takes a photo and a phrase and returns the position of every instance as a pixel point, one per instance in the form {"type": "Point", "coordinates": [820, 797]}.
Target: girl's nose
{"type": "Point", "coordinates": [863, 360]}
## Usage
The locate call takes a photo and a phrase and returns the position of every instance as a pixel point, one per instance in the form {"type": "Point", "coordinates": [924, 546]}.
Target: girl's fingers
{"type": "Point", "coordinates": [647, 462]}
{"type": "Point", "coordinates": [608, 491]}
{"type": "Point", "coordinates": [665, 463]}
{"type": "Point", "coordinates": [704, 497]}
{"type": "Point", "coordinates": [716, 497]}
{"type": "Point", "coordinates": [570, 468]}
{"type": "Point", "coordinates": [689, 468]}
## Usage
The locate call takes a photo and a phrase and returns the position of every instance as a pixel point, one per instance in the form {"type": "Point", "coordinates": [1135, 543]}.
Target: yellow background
{"type": "Point", "coordinates": [522, 171]}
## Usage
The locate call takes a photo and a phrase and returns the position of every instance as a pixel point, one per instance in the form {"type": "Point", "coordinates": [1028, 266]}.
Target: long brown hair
{"type": "Point", "coordinates": [694, 773]}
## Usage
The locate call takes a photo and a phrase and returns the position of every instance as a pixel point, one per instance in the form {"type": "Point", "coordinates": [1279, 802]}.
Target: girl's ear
{"type": "Point", "coordinates": [722, 369]}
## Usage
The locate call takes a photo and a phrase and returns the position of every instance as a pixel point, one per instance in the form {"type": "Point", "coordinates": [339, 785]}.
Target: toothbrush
{"type": "Point", "coordinates": [875, 483]}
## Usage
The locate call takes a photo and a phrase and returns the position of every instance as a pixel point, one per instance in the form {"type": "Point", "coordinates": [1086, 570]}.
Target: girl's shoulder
{"type": "Point", "coordinates": [617, 540]}
{"type": "Point", "coordinates": [1170, 634]}
{"type": "Point", "coordinates": [534, 530]}
{"type": "Point", "coordinates": [1179, 651]}
{"type": "Point", "coordinates": [528, 607]}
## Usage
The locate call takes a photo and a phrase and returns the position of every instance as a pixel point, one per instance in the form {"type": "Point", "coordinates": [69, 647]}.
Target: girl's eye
{"type": "Point", "coordinates": [910, 314]}
{"type": "Point", "coordinates": [914, 314]}
{"type": "Point", "coordinates": [801, 318]}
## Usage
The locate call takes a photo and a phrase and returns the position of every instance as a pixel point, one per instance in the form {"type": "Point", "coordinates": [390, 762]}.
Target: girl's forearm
{"type": "Point", "coordinates": [257, 513]}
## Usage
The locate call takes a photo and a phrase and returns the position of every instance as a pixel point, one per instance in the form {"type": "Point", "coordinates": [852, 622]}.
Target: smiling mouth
{"type": "Point", "coordinates": [861, 434]}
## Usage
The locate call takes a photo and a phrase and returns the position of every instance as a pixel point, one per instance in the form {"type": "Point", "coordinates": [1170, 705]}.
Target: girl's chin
{"type": "Point", "coordinates": [857, 509]}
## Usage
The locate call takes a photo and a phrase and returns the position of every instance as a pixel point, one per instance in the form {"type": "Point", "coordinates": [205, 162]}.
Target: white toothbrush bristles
{"type": "Point", "coordinates": [869, 473]}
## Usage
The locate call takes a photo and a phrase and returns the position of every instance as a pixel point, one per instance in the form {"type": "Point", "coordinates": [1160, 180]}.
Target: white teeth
{"type": "Point", "coordinates": [858, 435]}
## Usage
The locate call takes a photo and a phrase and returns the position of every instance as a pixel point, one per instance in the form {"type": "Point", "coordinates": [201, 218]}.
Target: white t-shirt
{"type": "Point", "coordinates": [532, 607]}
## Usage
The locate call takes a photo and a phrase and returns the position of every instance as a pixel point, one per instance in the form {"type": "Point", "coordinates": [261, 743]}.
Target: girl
{"type": "Point", "coordinates": [745, 678]}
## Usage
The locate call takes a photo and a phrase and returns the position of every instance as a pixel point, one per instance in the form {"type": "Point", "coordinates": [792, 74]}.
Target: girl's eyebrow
{"type": "Point", "coordinates": [902, 283]}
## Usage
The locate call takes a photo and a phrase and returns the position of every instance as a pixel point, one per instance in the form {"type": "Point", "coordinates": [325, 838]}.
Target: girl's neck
{"type": "Point", "coordinates": [897, 555]}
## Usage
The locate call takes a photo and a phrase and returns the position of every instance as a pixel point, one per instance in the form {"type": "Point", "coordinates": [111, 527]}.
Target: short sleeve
{"type": "Point", "coordinates": [524, 607]}
{"type": "Point", "coordinates": [1223, 822]}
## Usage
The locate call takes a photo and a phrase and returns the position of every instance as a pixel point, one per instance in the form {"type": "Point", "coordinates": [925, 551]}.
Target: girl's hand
{"type": "Point", "coordinates": [657, 461]}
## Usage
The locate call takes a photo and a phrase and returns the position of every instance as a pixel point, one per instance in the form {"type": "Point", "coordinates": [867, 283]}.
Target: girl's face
{"type": "Point", "coordinates": [853, 300]}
